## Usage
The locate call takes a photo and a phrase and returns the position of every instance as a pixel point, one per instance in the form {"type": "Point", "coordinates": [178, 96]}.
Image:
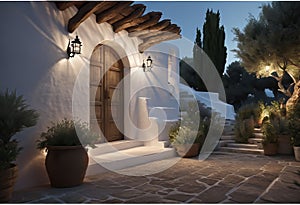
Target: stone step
{"type": "Point", "coordinates": [108, 147]}
{"type": "Point", "coordinates": [255, 140]}
{"type": "Point", "coordinates": [128, 158]}
{"type": "Point", "coordinates": [241, 150]}
{"type": "Point", "coordinates": [227, 137]}
{"type": "Point", "coordinates": [228, 132]}
{"type": "Point", "coordinates": [223, 143]}
{"type": "Point", "coordinates": [163, 112]}
{"type": "Point", "coordinates": [258, 135]}
{"type": "Point", "coordinates": [257, 130]}
{"type": "Point", "coordinates": [240, 145]}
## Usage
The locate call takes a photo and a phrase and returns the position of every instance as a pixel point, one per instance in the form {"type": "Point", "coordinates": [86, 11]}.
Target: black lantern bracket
{"type": "Point", "coordinates": [74, 47]}
{"type": "Point", "coordinates": [147, 66]}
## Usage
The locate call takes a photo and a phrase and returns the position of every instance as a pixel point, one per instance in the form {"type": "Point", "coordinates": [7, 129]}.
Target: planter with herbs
{"type": "Point", "coordinates": [67, 159]}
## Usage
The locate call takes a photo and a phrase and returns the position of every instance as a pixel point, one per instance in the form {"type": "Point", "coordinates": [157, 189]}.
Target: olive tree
{"type": "Point", "coordinates": [272, 41]}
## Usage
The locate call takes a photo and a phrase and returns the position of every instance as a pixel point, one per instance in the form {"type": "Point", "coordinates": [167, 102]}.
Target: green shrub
{"type": "Point", "coordinates": [67, 133]}
{"type": "Point", "coordinates": [246, 119]}
{"type": "Point", "coordinates": [272, 111]}
{"type": "Point", "coordinates": [270, 133]}
{"type": "Point", "coordinates": [15, 116]}
{"type": "Point", "coordinates": [244, 130]}
{"type": "Point", "coordinates": [183, 135]}
{"type": "Point", "coordinates": [190, 131]}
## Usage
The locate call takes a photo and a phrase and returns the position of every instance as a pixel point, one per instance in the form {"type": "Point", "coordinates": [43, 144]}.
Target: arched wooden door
{"type": "Point", "coordinates": [101, 105]}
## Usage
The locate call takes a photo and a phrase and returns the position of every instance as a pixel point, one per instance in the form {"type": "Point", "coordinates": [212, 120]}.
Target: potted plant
{"type": "Point", "coordinates": [284, 139]}
{"type": "Point", "coordinates": [270, 139]}
{"type": "Point", "coordinates": [15, 115]}
{"type": "Point", "coordinates": [67, 159]}
{"type": "Point", "coordinates": [185, 140]}
{"type": "Point", "coordinates": [276, 116]}
{"type": "Point", "coordinates": [294, 126]}
{"type": "Point", "coordinates": [189, 136]}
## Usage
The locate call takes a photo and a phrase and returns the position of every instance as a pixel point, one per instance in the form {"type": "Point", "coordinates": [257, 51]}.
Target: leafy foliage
{"type": "Point", "coordinates": [8, 153]}
{"type": "Point", "coordinates": [238, 84]}
{"type": "Point", "coordinates": [273, 39]}
{"type": "Point", "coordinates": [183, 135]}
{"type": "Point", "coordinates": [15, 116]}
{"type": "Point", "coordinates": [242, 87]}
{"type": "Point", "coordinates": [274, 123]}
{"type": "Point", "coordinates": [270, 133]}
{"type": "Point", "coordinates": [246, 118]}
{"type": "Point", "coordinates": [67, 133]}
{"type": "Point", "coordinates": [189, 131]}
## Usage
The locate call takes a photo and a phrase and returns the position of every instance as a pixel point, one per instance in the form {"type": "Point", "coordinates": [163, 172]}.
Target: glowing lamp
{"type": "Point", "coordinates": [74, 47]}
{"type": "Point", "coordinates": [148, 65]}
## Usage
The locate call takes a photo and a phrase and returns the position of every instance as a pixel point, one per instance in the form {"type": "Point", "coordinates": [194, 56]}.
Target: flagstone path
{"type": "Point", "coordinates": [229, 178]}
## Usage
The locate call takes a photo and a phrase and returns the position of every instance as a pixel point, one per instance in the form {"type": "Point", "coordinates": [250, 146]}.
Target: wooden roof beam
{"type": "Point", "coordinates": [125, 22]}
{"type": "Point", "coordinates": [154, 18]}
{"type": "Point", "coordinates": [157, 27]}
{"type": "Point", "coordinates": [63, 5]}
{"type": "Point", "coordinates": [107, 5]}
{"type": "Point", "coordinates": [136, 21]}
{"type": "Point", "coordinates": [112, 12]}
{"type": "Point", "coordinates": [156, 40]}
{"type": "Point", "coordinates": [124, 13]}
{"type": "Point", "coordinates": [83, 13]}
{"type": "Point", "coordinates": [168, 28]}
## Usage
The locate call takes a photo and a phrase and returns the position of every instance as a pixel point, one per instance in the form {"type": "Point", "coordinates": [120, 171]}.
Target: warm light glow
{"type": "Point", "coordinates": [44, 152]}
{"type": "Point", "coordinates": [268, 68]}
{"type": "Point", "coordinates": [148, 65]}
{"type": "Point", "coordinates": [74, 47]}
{"type": "Point", "coordinates": [149, 62]}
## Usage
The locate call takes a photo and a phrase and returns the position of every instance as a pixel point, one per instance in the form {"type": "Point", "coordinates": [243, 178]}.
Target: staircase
{"type": "Point", "coordinates": [124, 154]}
{"type": "Point", "coordinates": [227, 143]}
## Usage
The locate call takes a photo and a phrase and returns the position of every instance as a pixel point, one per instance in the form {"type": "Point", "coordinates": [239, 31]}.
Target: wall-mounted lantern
{"type": "Point", "coordinates": [74, 47]}
{"type": "Point", "coordinates": [148, 65]}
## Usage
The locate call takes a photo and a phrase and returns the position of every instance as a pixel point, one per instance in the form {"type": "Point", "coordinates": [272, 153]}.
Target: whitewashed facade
{"type": "Point", "coordinates": [34, 61]}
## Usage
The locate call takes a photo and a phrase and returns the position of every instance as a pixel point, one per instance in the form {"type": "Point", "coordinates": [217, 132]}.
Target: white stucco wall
{"type": "Point", "coordinates": [33, 41]}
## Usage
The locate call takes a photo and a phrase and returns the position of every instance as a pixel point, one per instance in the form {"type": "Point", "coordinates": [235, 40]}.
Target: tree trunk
{"type": "Point", "coordinates": [295, 98]}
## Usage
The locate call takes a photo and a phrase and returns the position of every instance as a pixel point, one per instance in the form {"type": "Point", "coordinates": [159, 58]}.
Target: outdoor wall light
{"type": "Point", "coordinates": [74, 47]}
{"type": "Point", "coordinates": [148, 65]}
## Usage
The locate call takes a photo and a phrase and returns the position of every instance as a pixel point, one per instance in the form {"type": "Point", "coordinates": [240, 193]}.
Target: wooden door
{"type": "Point", "coordinates": [101, 105]}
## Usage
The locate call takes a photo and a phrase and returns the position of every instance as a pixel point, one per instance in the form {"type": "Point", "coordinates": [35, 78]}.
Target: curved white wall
{"type": "Point", "coordinates": [33, 43]}
{"type": "Point", "coordinates": [33, 61]}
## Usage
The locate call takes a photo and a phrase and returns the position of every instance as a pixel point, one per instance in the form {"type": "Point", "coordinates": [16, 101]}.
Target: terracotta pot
{"type": "Point", "coordinates": [7, 181]}
{"type": "Point", "coordinates": [297, 153]}
{"type": "Point", "coordinates": [188, 150]}
{"type": "Point", "coordinates": [66, 165]}
{"type": "Point", "coordinates": [284, 145]}
{"type": "Point", "coordinates": [270, 149]}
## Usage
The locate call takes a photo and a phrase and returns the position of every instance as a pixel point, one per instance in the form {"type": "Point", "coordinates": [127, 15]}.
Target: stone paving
{"type": "Point", "coordinates": [228, 178]}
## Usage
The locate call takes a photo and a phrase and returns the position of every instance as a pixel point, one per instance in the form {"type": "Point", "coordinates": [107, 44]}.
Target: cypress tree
{"type": "Point", "coordinates": [214, 40]}
{"type": "Point", "coordinates": [199, 85]}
